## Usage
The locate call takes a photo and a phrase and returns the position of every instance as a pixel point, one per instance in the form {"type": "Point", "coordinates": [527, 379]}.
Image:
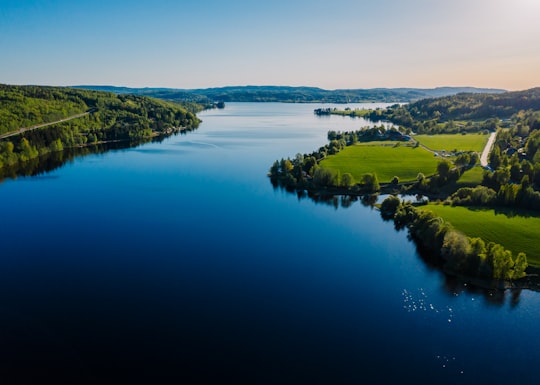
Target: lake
{"type": "Point", "coordinates": [178, 262]}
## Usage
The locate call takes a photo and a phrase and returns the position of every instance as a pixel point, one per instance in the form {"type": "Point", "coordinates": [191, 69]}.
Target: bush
{"type": "Point", "coordinates": [389, 206]}
{"type": "Point", "coordinates": [370, 182]}
{"type": "Point", "coordinates": [324, 177]}
{"type": "Point", "coordinates": [347, 180]}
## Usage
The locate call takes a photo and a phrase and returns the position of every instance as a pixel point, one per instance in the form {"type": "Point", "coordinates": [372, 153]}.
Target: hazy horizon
{"type": "Point", "coordinates": [342, 44]}
{"type": "Point", "coordinates": [271, 85]}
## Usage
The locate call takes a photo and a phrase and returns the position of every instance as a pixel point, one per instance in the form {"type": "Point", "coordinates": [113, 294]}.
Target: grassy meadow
{"type": "Point", "coordinates": [515, 230]}
{"type": "Point", "coordinates": [472, 177]}
{"type": "Point", "coordinates": [386, 161]}
{"type": "Point", "coordinates": [356, 112]}
{"type": "Point", "coordinates": [451, 142]}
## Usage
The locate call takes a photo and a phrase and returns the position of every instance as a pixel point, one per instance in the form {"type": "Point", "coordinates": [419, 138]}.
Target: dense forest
{"type": "Point", "coordinates": [107, 117]}
{"type": "Point", "coordinates": [292, 94]}
{"type": "Point", "coordinates": [464, 112]}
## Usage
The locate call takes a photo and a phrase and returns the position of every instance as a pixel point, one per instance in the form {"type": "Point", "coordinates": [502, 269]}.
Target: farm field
{"type": "Point", "coordinates": [517, 232]}
{"type": "Point", "coordinates": [386, 161]}
{"type": "Point", "coordinates": [451, 142]}
{"type": "Point", "coordinates": [472, 177]}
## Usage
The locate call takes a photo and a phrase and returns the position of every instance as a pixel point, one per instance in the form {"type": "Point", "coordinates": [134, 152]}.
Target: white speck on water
{"type": "Point", "coordinates": [418, 301]}
{"type": "Point", "coordinates": [449, 362]}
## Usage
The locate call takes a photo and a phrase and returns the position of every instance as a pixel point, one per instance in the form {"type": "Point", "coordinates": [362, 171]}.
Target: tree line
{"type": "Point", "coordinates": [458, 253]}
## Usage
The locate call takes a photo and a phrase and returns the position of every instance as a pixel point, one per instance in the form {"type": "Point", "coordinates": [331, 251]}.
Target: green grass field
{"type": "Point", "coordinates": [472, 177]}
{"type": "Point", "coordinates": [515, 232]}
{"type": "Point", "coordinates": [386, 161]}
{"type": "Point", "coordinates": [449, 142]}
{"type": "Point", "coordinates": [356, 112]}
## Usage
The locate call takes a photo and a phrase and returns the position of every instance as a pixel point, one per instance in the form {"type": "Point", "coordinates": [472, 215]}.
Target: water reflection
{"type": "Point", "coordinates": [494, 292]}
{"type": "Point", "coordinates": [491, 291]}
{"type": "Point", "coordinates": [337, 201]}
{"type": "Point", "coordinates": [158, 275]}
{"type": "Point", "coordinates": [495, 297]}
{"type": "Point", "coordinates": [43, 165]}
{"type": "Point", "coordinates": [52, 161]}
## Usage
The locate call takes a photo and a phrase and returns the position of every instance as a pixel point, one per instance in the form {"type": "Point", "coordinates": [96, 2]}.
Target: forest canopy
{"type": "Point", "coordinates": [107, 117]}
{"type": "Point", "coordinates": [464, 112]}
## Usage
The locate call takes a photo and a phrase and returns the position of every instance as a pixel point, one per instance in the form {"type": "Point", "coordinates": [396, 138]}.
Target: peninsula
{"type": "Point", "coordinates": [433, 150]}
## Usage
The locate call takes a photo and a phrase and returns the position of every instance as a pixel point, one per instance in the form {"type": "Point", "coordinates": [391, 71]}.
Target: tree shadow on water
{"type": "Point", "coordinates": [49, 162]}
{"type": "Point", "coordinates": [337, 201]}
{"type": "Point", "coordinates": [494, 293]}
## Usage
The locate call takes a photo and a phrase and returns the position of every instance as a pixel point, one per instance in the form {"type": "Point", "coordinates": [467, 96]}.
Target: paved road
{"type": "Point", "coordinates": [21, 130]}
{"type": "Point", "coordinates": [487, 149]}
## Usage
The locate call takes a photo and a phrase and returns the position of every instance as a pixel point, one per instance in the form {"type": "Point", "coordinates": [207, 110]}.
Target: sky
{"type": "Point", "coordinates": [329, 44]}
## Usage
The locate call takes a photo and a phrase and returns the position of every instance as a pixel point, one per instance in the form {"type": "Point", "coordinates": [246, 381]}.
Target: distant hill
{"type": "Point", "coordinates": [464, 106]}
{"type": "Point", "coordinates": [293, 94]}
{"type": "Point", "coordinates": [481, 111]}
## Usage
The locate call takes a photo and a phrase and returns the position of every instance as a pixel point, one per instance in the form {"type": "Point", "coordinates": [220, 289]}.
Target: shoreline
{"type": "Point", "coordinates": [530, 282]}
{"type": "Point", "coordinates": [21, 168]}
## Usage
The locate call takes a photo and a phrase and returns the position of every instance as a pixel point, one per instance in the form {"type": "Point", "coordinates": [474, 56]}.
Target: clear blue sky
{"type": "Point", "coordinates": [329, 44]}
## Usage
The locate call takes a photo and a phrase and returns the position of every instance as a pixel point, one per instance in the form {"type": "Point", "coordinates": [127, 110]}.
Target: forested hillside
{"type": "Point", "coordinates": [110, 117]}
{"type": "Point", "coordinates": [286, 94]}
{"type": "Point", "coordinates": [465, 112]}
{"type": "Point", "coordinates": [466, 106]}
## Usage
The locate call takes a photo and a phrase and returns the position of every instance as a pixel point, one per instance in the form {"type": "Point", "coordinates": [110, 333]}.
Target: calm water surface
{"type": "Point", "coordinates": [178, 261]}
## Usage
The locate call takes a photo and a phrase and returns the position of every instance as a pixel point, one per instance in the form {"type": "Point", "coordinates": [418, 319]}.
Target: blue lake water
{"type": "Point", "coordinates": [179, 262]}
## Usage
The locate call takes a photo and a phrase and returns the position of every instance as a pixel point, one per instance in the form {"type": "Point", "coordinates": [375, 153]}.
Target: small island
{"type": "Point", "coordinates": [471, 162]}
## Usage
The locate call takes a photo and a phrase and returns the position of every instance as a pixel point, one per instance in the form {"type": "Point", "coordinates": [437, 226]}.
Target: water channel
{"type": "Point", "coordinates": [178, 261]}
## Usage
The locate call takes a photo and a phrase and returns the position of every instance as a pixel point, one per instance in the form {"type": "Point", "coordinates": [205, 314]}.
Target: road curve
{"type": "Point", "coordinates": [487, 149]}
{"type": "Point", "coordinates": [21, 130]}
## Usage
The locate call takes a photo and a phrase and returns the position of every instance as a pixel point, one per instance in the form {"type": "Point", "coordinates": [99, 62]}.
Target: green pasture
{"type": "Point", "coordinates": [451, 142]}
{"type": "Point", "coordinates": [356, 112]}
{"type": "Point", "coordinates": [402, 161]}
{"type": "Point", "coordinates": [515, 230]}
{"type": "Point", "coordinates": [472, 177]}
